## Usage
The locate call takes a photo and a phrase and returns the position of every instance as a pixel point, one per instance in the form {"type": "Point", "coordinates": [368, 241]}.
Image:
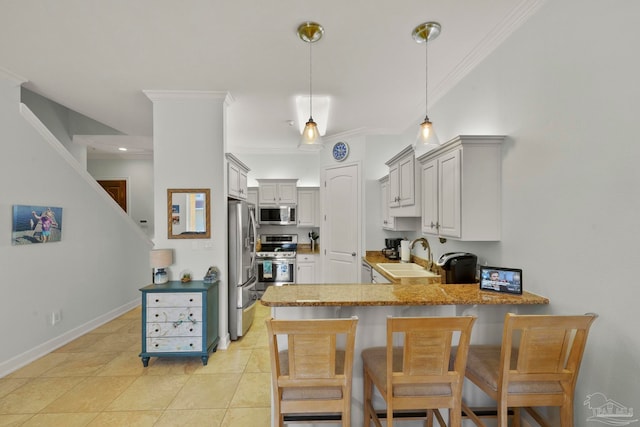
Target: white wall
{"type": "Point", "coordinates": [139, 177]}
{"type": "Point", "coordinates": [568, 100]}
{"type": "Point", "coordinates": [188, 152]}
{"type": "Point", "coordinates": [91, 275]}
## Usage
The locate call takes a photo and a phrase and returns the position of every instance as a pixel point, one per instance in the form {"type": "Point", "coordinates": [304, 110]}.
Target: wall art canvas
{"type": "Point", "coordinates": [36, 224]}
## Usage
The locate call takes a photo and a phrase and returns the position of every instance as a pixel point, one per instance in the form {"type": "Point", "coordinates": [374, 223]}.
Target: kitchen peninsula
{"type": "Point", "coordinates": [372, 303]}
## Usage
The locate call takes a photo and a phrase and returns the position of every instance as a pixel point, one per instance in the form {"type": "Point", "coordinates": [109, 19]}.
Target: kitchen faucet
{"type": "Point", "coordinates": [425, 245]}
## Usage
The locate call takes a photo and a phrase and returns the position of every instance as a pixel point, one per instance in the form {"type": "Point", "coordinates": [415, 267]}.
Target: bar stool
{"type": "Point", "coordinates": [417, 376]}
{"type": "Point", "coordinates": [536, 365]}
{"type": "Point", "coordinates": [311, 379]}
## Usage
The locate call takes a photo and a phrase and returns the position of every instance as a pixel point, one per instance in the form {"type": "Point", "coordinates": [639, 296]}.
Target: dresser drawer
{"type": "Point", "coordinates": [174, 329]}
{"type": "Point", "coordinates": [177, 344]}
{"type": "Point", "coordinates": [174, 314]}
{"type": "Point", "coordinates": [177, 299]}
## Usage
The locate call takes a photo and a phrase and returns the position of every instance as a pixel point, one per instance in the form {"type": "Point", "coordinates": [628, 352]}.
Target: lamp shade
{"type": "Point", "coordinates": [427, 135]}
{"type": "Point", "coordinates": [311, 137]}
{"type": "Point", "coordinates": [161, 258]}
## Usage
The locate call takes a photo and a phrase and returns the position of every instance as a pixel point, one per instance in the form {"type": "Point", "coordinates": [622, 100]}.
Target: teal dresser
{"type": "Point", "coordinates": [179, 319]}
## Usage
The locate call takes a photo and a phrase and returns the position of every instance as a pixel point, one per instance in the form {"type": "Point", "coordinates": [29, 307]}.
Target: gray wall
{"type": "Point", "coordinates": [139, 177]}
{"type": "Point", "coordinates": [568, 102]}
{"type": "Point", "coordinates": [91, 275]}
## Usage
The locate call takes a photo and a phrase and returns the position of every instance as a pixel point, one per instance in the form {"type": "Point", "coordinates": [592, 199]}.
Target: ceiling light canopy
{"type": "Point", "coordinates": [423, 33]}
{"type": "Point", "coordinates": [310, 32]}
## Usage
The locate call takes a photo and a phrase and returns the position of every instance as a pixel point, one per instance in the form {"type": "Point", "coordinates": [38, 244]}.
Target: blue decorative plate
{"type": "Point", "coordinates": [340, 151]}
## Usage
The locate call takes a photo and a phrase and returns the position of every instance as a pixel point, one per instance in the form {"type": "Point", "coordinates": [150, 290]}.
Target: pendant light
{"type": "Point", "coordinates": [310, 32]}
{"type": "Point", "coordinates": [422, 34]}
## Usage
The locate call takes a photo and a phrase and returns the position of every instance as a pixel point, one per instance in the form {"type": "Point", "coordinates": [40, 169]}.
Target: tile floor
{"type": "Point", "coordinates": [98, 380]}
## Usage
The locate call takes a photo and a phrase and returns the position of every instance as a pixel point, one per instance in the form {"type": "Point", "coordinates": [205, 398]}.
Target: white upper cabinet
{"type": "Point", "coordinates": [461, 182]}
{"type": "Point", "coordinates": [252, 195]}
{"type": "Point", "coordinates": [385, 199]}
{"type": "Point", "coordinates": [274, 192]}
{"type": "Point", "coordinates": [389, 222]}
{"type": "Point", "coordinates": [404, 185]}
{"type": "Point", "coordinates": [236, 177]}
{"type": "Point", "coordinates": [309, 207]}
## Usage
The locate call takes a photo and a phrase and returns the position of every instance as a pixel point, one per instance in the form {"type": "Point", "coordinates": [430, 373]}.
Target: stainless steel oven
{"type": "Point", "coordinates": [276, 260]}
{"type": "Point", "coordinates": [275, 271]}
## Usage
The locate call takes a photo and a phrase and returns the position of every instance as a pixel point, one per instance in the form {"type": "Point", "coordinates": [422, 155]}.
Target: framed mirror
{"type": "Point", "coordinates": [188, 213]}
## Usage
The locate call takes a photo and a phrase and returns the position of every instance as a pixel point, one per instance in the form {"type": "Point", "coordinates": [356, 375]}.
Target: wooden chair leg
{"type": "Point", "coordinates": [503, 415]}
{"type": "Point", "coordinates": [566, 414]}
{"type": "Point", "coordinates": [428, 422]}
{"type": "Point", "coordinates": [366, 399]}
{"type": "Point", "coordinates": [516, 417]}
{"type": "Point", "coordinates": [346, 414]}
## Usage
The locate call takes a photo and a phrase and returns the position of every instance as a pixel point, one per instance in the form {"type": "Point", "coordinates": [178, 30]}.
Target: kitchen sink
{"type": "Point", "coordinates": [409, 269]}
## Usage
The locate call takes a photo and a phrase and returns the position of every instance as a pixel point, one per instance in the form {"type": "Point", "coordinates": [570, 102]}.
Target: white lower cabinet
{"type": "Point", "coordinates": [378, 278]}
{"type": "Point", "coordinates": [306, 266]}
{"type": "Point", "coordinates": [461, 184]}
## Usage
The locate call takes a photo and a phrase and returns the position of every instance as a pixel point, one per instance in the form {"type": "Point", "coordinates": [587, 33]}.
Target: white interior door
{"type": "Point", "coordinates": [341, 224]}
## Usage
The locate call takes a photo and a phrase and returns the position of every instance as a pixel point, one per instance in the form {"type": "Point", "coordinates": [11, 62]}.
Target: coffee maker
{"type": "Point", "coordinates": [391, 248]}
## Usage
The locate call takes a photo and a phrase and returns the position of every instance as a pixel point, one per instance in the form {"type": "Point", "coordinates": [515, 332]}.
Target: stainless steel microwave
{"type": "Point", "coordinates": [278, 215]}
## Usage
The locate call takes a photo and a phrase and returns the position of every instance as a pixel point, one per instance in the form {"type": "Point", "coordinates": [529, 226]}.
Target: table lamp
{"type": "Point", "coordinates": [159, 260]}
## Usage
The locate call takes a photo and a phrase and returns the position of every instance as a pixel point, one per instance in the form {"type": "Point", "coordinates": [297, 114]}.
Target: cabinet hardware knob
{"type": "Point", "coordinates": [157, 315]}
{"type": "Point", "coordinates": [156, 345]}
{"type": "Point", "coordinates": [353, 254]}
{"type": "Point", "coordinates": [190, 299]}
{"type": "Point", "coordinates": [190, 329]}
{"type": "Point", "coordinates": [157, 300]}
{"type": "Point", "coordinates": [157, 330]}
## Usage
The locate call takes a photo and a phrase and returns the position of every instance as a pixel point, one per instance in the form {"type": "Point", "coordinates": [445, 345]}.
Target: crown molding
{"type": "Point", "coordinates": [518, 15]}
{"type": "Point", "coordinates": [188, 95]}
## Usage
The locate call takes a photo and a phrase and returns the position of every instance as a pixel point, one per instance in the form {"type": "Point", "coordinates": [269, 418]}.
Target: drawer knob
{"type": "Point", "coordinates": [157, 300]}
{"type": "Point", "coordinates": [190, 345]}
{"type": "Point", "coordinates": [157, 315]}
{"type": "Point", "coordinates": [157, 330]}
{"type": "Point", "coordinates": [190, 299]}
{"type": "Point", "coordinates": [190, 329]}
{"type": "Point", "coordinates": [156, 345]}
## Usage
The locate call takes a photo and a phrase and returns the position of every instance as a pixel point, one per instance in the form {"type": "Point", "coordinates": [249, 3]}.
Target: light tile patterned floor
{"type": "Point", "coordinates": [98, 380]}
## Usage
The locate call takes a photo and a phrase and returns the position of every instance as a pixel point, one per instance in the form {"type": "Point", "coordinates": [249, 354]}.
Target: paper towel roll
{"type": "Point", "coordinates": [405, 252]}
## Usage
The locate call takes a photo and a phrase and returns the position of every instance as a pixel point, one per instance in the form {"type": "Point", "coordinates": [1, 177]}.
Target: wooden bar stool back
{"type": "Point", "coordinates": [536, 365]}
{"type": "Point", "coordinates": [311, 378]}
{"type": "Point", "coordinates": [416, 378]}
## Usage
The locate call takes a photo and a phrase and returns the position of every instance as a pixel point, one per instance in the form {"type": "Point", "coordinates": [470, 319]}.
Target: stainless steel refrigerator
{"type": "Point", "coordinates": [242, 267]}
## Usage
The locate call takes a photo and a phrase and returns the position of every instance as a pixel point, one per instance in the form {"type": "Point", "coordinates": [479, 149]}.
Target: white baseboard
{"type": "Point", "coordinates": [224, 342]}
{"type": "Point", "coordinates": [47, 347]}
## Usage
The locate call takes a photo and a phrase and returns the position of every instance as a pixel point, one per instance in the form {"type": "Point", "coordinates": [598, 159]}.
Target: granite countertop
{"type": "Point", "coordinates": [305, 249]}
{"type": "Point", "coordinates": [405, 291]}
{"type": "Point", "coordinates": [351, 294]}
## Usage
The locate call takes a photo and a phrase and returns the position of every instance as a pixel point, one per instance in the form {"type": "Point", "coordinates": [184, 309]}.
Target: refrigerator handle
{"type": "Point", "coordinates": [252, 243]}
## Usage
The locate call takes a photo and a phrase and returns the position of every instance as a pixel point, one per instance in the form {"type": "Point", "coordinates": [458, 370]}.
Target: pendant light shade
{"type": "Point", "coordinates": [310, 134]}
{"type": "Point", "coordinates": [310, 32]}
{"type": "Point", "coordinates": [422, 34]}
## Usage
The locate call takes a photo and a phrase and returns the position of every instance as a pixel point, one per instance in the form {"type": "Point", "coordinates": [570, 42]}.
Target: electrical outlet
{"type": "Point", "coordinates": [55, 317]}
